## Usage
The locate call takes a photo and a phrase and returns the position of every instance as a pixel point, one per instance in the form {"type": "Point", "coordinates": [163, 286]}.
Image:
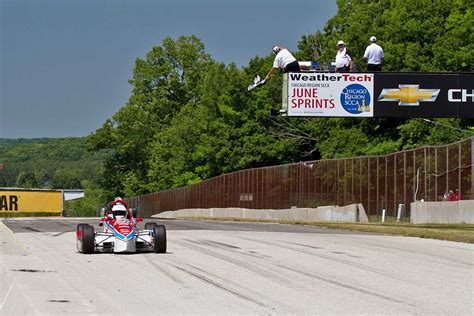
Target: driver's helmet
{"type": "Point", "coordinates": [119, 211]}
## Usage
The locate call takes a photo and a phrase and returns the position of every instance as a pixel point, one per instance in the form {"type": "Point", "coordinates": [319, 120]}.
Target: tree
{"type": "Point", "coordinates": [163, 83]}
{"type": "Point", "coordinates": [417, 35]}
{"type": "Point", "coordinates": [67, 179]}
{"type": "Point", "coordinates": [27, 179]}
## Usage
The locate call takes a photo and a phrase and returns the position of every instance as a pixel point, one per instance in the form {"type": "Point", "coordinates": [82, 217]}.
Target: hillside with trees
{"type": "Point", "coordinates": [190, 117]}
{"type": "Point", "coordinates": [62, 163]}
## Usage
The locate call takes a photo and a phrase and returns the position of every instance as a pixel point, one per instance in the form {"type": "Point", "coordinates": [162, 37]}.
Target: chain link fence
{"type": "Point", "coordinates": [378, 182]}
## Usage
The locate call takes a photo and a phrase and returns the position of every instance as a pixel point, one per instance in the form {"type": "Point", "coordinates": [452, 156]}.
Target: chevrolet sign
{"type": "Point", "coordinates": [409, 95]}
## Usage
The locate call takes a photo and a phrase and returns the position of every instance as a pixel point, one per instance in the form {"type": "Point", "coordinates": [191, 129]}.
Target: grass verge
{"type": "Point", "coordinates": [452, 232]}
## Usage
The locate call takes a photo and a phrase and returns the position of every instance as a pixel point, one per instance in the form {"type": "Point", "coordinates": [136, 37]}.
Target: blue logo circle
{"type": "Point", "coordinates": [355, 99]}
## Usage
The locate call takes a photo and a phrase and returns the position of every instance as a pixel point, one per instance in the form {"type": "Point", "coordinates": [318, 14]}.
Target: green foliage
{"type": "Point", "coordinates": [381, 147]}
{"type": "Point", "coordinates": [163, 83]}
{"type": "Point", "coordinates": [415, 132]}
{"type": "Point", "coordinates": [67, 179]}
{"type": "Point", "coordinates": [48, 163]}
{"type": "Point", "coordinates": [88, 205]}
{"type": "Point", "coordinates": [417, 35]}
{"type": "Point", "coordinates": [27, 180]}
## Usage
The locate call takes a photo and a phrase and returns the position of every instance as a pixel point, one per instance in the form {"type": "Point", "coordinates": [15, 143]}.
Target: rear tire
{"type": "Point", "coordinates": [159, 232]}
{"type": "Point", "coordinates": [86, 238]}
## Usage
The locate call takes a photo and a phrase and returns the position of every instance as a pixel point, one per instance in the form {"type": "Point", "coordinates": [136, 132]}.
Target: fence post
{"type": "Point", "coordinates": [436, 173]}
{"type": "Point", "coordinates": [459, 170]}
{"type": "Point", "coordinates": [447, 169]}
{"type": "Point", "coordinates": [395, 180]}
{"type": "Point", "coordinates": [472, 169]}
{"type": "Point", "coordinates": [377, 184]}
{"type": "Point", "coordinates": [405, 177]}
{"type": "Point", "coordinates": [368, 185]}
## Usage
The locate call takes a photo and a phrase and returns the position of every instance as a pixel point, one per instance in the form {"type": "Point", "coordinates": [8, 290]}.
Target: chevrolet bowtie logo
{"type": "Point", "coordinates": [409, 94]}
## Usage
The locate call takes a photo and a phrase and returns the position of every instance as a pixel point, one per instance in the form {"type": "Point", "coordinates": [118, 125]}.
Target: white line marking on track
{"type": "Point", "coordinates": [6, 296]}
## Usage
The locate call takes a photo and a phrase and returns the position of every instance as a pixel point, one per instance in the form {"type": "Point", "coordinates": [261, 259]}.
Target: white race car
{"type": "Point", "coordinates": [119, 233]}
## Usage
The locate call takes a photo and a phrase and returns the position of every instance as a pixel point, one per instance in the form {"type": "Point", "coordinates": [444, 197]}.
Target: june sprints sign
{"type": "Point", "coordinates": [330, 94]}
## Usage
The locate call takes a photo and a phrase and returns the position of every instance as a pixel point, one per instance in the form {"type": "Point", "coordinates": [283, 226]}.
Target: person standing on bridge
{"type": "Point", "coordinates": [374, 55]}
{"type": "Point", "coordinates": [283, 60]}
{"type": "Point", "coordinates": [344, 58]}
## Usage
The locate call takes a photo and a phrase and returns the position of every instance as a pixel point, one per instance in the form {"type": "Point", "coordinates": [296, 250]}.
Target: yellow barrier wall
{"type": "Point", "coordinates": [31, 201]}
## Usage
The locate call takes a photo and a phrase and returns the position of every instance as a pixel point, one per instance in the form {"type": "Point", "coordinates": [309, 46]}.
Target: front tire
{"type": "Point", "coordinates": [79, 236]}
{"type": "Point", "coordinates": [150, 226]}
{"type": "Point", "coordinates": [159, 232]}
{"type": "Point", "coordinates": [85, 238]}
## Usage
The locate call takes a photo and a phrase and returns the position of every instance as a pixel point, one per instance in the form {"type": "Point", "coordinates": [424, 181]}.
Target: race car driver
{"type": "Point", "coordinates": [118, 209]}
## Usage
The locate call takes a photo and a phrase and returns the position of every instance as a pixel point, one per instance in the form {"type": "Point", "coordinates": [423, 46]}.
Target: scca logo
{"type": "Point", "coordinates": [355, 99]}
{"type": "Point", "coordinates": [8, 203]}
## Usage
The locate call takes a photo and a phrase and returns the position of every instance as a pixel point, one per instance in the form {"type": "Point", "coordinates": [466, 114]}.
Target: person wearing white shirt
{"type": "Point", "coordinates": [374, 55]}
{"type": "Point", "coordinates": [344, 58]}
{"type": "Point", "coordinates": [283, 60]}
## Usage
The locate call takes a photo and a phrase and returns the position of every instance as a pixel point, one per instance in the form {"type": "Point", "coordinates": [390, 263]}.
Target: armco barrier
{"type": "Point", "coordinates": [348, 213]}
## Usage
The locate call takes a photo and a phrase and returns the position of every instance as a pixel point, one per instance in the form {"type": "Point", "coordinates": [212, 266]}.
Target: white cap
{"type": "Point", "coordinates": [341, 42]}
{"type": "Point", "coordinates": [276, 49]}
{"type": "Point", "coordinates": [373, 39]}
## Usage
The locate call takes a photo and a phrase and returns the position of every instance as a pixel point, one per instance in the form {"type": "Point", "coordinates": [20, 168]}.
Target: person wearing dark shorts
{"type": "Point", "coordinates": [374, 55]}
{"type": "Point", "coordinates": [292, 67]}
{"type": "Point", "coordinates": [374, 67]}
{"type": "Point", "coordinates": [283, 60]}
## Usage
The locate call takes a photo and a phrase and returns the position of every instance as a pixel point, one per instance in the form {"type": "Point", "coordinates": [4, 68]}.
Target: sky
{"type": "Point", "coordinates": [65, 64]}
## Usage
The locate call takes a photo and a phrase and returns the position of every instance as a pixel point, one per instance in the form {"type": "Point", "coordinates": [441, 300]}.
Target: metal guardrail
{"type": "Point", "coordinates": [378, 182]}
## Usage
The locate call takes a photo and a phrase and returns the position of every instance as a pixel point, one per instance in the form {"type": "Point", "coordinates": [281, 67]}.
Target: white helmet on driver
{"type": "Point", "coordinates": [119, 210]}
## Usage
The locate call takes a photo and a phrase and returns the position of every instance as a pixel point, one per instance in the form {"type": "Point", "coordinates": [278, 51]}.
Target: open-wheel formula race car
{"type": "Point", "coordinates": [118, 233]}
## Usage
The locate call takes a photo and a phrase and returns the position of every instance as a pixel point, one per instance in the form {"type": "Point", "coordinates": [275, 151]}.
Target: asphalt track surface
{"type": "Point", "coordinates": [233, 268]}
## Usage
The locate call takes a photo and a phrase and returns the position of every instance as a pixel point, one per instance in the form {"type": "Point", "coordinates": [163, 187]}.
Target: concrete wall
{"type": "Point", "coordinates": [348, 213]}
{"type": "Point", "coordinates": [443, 212]}
{"type": "Point", "coordinates": [363, 218]}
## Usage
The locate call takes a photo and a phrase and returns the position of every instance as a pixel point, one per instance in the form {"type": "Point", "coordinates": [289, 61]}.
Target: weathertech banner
{"type": "Point", "coordinates": [424, 95]}
{"type": "Point", "coordinates": [382, 94]}
{"type": "Point", "coordinates": [330, 94]}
